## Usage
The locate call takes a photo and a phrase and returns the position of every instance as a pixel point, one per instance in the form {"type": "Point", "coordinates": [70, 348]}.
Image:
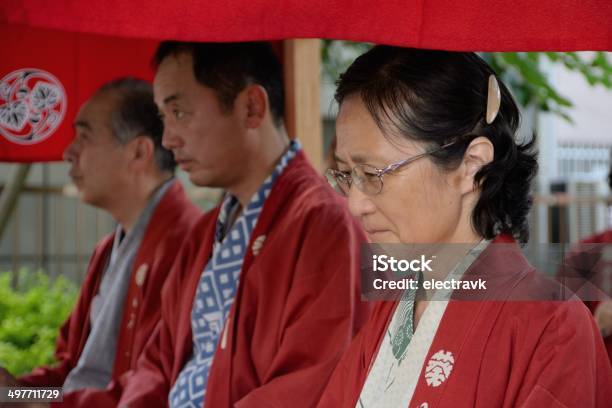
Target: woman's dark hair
{"type": "Point", "coordinates": [439, 97]}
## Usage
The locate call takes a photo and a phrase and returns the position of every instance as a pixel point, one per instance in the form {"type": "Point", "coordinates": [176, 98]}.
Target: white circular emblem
{"type": "Point", "coordinates": [258, 244]}
{"type": "Point", "coordinates": [32, 105]}
{"type": "Point", "coordinates": [141, 274]}
{"type": "Point", "coordinates": [439, 368]}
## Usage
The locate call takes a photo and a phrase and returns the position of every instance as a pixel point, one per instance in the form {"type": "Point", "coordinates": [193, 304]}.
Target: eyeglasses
{"type": "Point", "coordinates": [367, 178]}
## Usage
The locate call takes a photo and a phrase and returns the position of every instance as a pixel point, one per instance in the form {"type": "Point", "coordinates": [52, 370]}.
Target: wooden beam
{"type": "Point", "coordinates": [10, 194]}
{"type": "Point", "coordinates": [302, 68]}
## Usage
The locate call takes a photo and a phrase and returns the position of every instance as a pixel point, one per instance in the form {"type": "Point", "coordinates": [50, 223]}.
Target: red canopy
{"type": "Point", "coordinates": [476, 25]}
{"type": "Point", "coordinates": [45, 74]}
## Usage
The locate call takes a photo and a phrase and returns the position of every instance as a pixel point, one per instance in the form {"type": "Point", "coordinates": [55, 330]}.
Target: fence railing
{"type": "Point", "coordinates": [576, 159]}
{"type": "Point", "coordinates": [56, 233]}
{"type": "Point", "coordinates": [52, 230]}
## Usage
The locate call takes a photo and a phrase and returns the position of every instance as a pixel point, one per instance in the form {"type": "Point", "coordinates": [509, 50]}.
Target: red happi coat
{"type": "Point", "coordinates": [601, 266]}
{"type": "Point", "coordinates": [169, 224]}
{"type": "Point", "coordinates": [296, 309]}
{"type": "Point", "coordinates": [506, 353]}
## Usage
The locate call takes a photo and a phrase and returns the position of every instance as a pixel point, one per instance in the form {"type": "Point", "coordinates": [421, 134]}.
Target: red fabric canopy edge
{"type": "Point", "coordinates": [477, 25]}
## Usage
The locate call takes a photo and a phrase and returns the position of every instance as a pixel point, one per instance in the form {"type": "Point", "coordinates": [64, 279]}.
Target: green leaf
{"type": "Point", "coordinates": [30, 318]}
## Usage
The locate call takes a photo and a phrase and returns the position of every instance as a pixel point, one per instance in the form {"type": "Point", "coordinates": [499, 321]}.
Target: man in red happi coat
{"type": "Point", "coordinates": [268, 327]}
{"type": "Point", "coordinates": [119, 165]}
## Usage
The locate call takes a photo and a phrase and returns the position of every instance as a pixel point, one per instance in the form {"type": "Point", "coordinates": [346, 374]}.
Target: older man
{"type": "Point", "coordinates": [118, 164]}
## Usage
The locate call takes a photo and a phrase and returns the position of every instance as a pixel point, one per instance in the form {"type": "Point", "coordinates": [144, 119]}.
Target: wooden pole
{"type": "Point", "coordinates": [8, 202]}
{"type": "Point", "coordinates": [10, 194]}
{"type": "Point", "coordinates": [302, 68]}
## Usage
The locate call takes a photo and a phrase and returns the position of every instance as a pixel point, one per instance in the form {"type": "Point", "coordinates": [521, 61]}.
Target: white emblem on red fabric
{"type": "Point", "coordinates": [141, 274]}
{"type": "Point", "coordinates": [224, 336]}
{"type": "Point", "coordinates": [258, 244]}
{"type": "Point", "coordinates": [439, 368]}
{"type": "Point", "coordinates": [32, 105]}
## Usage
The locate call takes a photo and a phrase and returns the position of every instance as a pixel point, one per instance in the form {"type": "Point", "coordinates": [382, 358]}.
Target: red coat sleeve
{"type": "Point", "coordinates": [569, 367]}
{"type": "Point", "coordinates": [346, 381]}
{"type": "Point", "coordinates": [148, 386]}
{"type": "Point", "coordinates": [319, 318]}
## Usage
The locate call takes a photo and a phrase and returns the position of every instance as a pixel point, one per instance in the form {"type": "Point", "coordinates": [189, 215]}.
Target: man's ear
{"type": "Point", "coordinates": [478, 154]}
{"type": "Point", "coordinates": [257, 105]}
{"type": "Point", "coordinates": [142, 150]}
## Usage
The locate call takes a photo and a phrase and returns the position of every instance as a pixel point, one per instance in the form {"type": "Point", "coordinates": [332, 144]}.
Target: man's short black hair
{"type": "Point", "coordinates": [228, 68]}
{"type": "Point", "coordinates": [135, 114]}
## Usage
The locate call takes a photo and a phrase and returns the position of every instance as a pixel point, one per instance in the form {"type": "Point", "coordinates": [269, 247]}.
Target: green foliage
{"type": "Point", "coordinates": [337, 55]}
{"type": "Point", "coordinates": [30, 318]}
{"type": "Point", "coordinates": [521, 71]}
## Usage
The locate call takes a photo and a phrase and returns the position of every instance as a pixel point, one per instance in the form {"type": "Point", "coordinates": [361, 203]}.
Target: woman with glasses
{"type": "Point", "coordinates": [427, 153]}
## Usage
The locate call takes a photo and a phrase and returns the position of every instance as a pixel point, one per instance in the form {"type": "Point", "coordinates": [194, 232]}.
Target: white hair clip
{"type": "Point", "coordinates": [493, 99]}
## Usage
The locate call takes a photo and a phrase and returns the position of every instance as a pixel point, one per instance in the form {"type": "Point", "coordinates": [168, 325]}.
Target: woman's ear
{"type": "Point", "coordinates": [478, 154]}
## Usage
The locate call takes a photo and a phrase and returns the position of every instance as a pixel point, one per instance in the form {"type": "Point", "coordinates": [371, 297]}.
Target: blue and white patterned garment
{"type": "Point", "coordinates": [217, 288]}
